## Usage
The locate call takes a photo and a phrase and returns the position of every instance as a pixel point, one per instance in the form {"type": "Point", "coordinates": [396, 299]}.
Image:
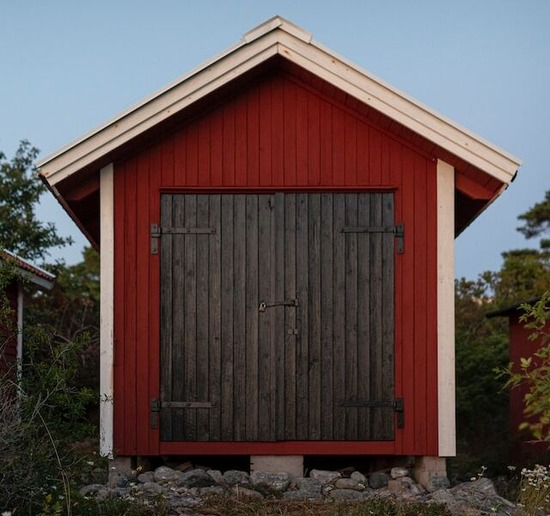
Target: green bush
{"type": "Point", "coordinates": [40, 415]}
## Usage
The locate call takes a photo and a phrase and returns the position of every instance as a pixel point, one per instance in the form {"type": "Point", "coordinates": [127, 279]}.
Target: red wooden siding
{"type": "Point", "coordinates": [520, 346]}
{"type": "Point", "coordinates": [278, 134]}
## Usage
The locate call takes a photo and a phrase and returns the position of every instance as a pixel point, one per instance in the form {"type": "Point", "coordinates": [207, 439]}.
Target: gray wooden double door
{"type": "Point", "coordinates": [277, 317]}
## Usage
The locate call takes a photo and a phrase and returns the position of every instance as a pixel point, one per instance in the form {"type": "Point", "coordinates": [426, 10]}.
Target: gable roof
{"type": "Point", "coordinates": [35, 274]}
{"type": "Point", "coordinates": [277, 37]}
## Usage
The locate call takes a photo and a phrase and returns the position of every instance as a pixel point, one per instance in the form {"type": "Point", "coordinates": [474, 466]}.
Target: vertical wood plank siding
{"type": "Point", "coordinates": [278, 134]}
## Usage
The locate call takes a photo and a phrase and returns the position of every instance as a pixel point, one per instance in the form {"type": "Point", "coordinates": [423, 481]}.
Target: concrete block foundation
{"type": "Point", "coordinates": [428, 468]}
{"type": "Point", "coordinates": [293, 464]}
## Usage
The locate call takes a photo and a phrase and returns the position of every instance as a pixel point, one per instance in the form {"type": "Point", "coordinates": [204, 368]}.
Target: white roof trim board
{"type": "Point", "coordinates": [33, 273]}
{"type": "Point", "coordinates": [279, 36]}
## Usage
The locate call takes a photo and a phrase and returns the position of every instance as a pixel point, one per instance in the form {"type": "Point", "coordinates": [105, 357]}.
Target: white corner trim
{"type": "Point", "coordinates": [20, 307]}
{"type": "Point", "coordinates": [446, 310]}
{"type": "Point", "coordinates": [106, 333]}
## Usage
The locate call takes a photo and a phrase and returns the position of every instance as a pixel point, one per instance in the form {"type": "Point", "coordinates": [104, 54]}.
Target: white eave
{"type": "Point", "coordinates": [278, 36]}
{"type": "Point", "coordinates": [27, 270]}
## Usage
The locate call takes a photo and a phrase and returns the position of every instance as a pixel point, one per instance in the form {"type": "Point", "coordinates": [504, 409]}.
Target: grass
{"type": "Point", "coordinates": [232, 506]}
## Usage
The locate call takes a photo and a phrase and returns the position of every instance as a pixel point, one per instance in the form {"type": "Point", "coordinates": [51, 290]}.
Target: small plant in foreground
{"type": "Point", "coordinates": [534, 494]}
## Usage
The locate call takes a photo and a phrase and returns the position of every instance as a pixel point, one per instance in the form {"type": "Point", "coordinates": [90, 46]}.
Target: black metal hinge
{"type": "Point", "coordinates": [397, 404]}
{"type": "Point", "coordinates": [398, 231]}
{"type": "Point", "coordinates": [157, 231]}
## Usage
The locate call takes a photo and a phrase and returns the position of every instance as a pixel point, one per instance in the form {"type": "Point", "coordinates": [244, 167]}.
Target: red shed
{"type": "Point", "coordinates": [11, 348]}
{"type": "Point", "coordinates": [521, 346]}
{"type": "Point", "coordinates": [276, 232]}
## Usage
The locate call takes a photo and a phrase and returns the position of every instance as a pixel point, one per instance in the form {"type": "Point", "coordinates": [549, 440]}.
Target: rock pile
{"type": "Point", "coordinates": [184, 491]}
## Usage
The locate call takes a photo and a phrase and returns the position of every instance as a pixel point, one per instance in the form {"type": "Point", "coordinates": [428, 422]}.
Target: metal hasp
{"type": "Point", "coordinates": [263, 306]}
{"type": "Point", "coordinates": [398, 231]}
{"type": "Point", "coordinates": [157, 231]}
{"type": "Point", "coordinates": [397, 404]}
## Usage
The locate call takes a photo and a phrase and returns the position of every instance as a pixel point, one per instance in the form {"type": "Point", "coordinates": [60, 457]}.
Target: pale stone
{"type": "Point", "coordinates": [325, 477]}
{"type": "Point", "coordinates": [349, 483]}
{"type": "Point", "coordinates": [235, 477]}
{"type": "Point", "coordinates": [216, 475]}
{"type": "Point", "coordinates": [166, 474]}
{"type": "Point", "coordinates": [276, 481]}
{"type": "Point", "coordinates": [359, 477]}
{"type": "Point", "coordinates": [307, 489]}
{"type": "Point", "coordinates": [399, 472]}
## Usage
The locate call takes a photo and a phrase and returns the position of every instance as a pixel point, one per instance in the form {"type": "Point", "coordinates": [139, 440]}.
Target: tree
{"type": "Point", "coordinates": [20, 189]}
{"type": "Point", "coordinates": [524, 275]}
{"type": "Point", "coordinates": [70, 312]}
{"type": "Point", "coordinates": [537, 220]}
{"type": "Point", "coordinates": [481, 345]}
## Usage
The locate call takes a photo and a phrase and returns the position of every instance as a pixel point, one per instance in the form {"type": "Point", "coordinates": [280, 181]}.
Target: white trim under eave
{"type": "Point", "coordinates": [106, 333]}
{"type": "Point", "coordinates": [446, 310]}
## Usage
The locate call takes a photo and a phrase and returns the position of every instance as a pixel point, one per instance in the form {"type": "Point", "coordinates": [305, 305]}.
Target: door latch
{"type": "Point", "coordinates": [263, 306]}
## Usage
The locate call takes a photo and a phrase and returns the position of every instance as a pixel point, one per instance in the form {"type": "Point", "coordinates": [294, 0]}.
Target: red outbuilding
{"type": "Point", "coordinates": [11, 328]}
{"type": "Point", "coordinates": [521, 344]}
{"type": "Point", "coordinates": [276, 232]}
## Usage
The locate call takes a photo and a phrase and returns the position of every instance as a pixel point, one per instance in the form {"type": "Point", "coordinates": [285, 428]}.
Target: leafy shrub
{"type": "Point", "coordinates": [39, 416]}
{"type": "Point", "coordinates": [534, 371]}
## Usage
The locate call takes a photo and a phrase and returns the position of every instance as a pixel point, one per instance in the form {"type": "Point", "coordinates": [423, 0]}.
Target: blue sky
{"type": "Point", "coordinates": [68, 66]}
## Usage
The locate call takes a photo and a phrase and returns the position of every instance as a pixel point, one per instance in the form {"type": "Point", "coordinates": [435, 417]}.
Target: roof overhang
{"type": "Point", "coordinates": [28, 271]}
{"type": "Point", "coordinates": [275, 37]}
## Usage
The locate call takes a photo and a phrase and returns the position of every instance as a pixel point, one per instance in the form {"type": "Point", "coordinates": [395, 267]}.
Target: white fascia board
{"type": "Point", "coordinates": [278, 36]}
{"type": "Point", "coordinates": [106, 332]}
{"type": "Point", "coordinates": [402, 108]}
{"type": "Point", "coordinates": [277, 22]}
{"type": "Point", "coordinates": [445, 310]}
